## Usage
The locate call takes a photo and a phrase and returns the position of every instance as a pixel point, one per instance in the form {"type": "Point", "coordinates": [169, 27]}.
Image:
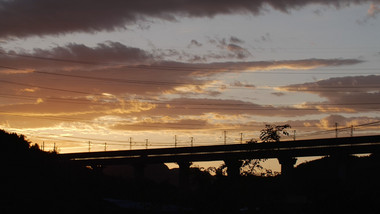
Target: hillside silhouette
{"type": "Point", "coordinates": [34, 180]}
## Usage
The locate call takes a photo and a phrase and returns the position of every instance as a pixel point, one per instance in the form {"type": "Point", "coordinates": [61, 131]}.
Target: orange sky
{"type": "Point", "coordinates": [112, 71]}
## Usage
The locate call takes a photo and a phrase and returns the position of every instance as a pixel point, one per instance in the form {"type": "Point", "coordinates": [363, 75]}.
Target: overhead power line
{"type": "Point", "coordinates": [333, 130]}
{"type": "Point", "coordinates": [196, 67]}
{"type": "Point", "coordinates": [145, 82]}
{"type": "Point", "coordinates": [47, 88]}
{"type": "Point", "coordinates": [358, 88]}
{"type": "Point", "coordinates": [171, 102]}
{"type": "Point", "coordinates": [100, 141]}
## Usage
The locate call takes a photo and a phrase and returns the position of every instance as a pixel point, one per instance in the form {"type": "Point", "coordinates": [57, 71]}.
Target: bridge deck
{"type": "Point", "coordinates": [299, 148]}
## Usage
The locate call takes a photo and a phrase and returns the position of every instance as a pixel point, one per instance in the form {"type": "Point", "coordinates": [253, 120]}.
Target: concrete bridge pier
{"type": "Point", "coordinates": [184, 174]}
{"type": "Point", "coordinates": [287, 165]}
{"type": "Point", "coordinates": [97, 168]}
{"type": "Point", "coordinates": [138, 171]}
{"type": "Point", "coordinates": [233, 167]}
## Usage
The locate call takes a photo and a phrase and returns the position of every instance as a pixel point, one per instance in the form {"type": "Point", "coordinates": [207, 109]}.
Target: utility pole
{"type": "Point", "coordinates": [146, 143]}
{"type": "Point", "coordinates": [336, 130]}
{"type": "Point", "coordinates": [294, 135]}
{"type": "Point", "coordinates": [241, 138]}
{"type": "Point", "coordinates": [43, 145]}
{"type": "Point", "coordinates": [175, 141]}
{"type": "Point", "coordinates": [54, 149]}
{"type": "Point", "coordinates": [225, 137]}
{"type": "Point", "coordinates": [105, 146]}
{"type": "Point", "coordinates": [352, 130]}
{"type": "Point", "coordinates": [130, 143]}
{"type": "Point", "coordinates": [89, 146]}
{"type": "Point", "coordinates": [191, 141]}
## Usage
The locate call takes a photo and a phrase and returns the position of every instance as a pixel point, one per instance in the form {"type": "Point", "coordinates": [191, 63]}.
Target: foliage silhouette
{"type": "Point", "coordinates": [34, 180]}
{"type": "Point", "coordinates": [272, 133]}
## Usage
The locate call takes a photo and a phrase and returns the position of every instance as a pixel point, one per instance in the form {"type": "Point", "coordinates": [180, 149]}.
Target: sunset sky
{"type": "Point", "coordinates": [107, 71]}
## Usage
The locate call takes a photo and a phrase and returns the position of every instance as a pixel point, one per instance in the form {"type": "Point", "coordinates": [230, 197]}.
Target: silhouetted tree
{"type": "Point", "coordinates": [218, 172]}
{"type": "Point", "coordinates": [272, 133]}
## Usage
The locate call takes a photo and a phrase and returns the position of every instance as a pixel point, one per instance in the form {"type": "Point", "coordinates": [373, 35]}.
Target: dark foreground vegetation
{"type": "Point", "coordinates": [37, 181]}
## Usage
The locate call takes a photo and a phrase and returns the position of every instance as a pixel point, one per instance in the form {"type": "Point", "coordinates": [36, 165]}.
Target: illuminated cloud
{"type": "Point", "coordinates": [158, 124]}
{"type": "Point", "coordinates": [79, 84]}
{"type": "Point", "coordinates": [374, 9]}
{"type": "Point", "coordinates": [24, 18]}
{"type": "Point", "coordinates": [330, 121]}
{"type": "Point", "coordinates": [372, 13]}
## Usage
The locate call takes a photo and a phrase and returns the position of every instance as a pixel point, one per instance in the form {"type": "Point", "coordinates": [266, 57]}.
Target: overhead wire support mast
{"type": "Point", "coordinates": [225, 137]}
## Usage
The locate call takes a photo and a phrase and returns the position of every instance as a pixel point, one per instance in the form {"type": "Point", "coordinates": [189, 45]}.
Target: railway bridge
{"type": "Point", "coordinates": [285, 151]}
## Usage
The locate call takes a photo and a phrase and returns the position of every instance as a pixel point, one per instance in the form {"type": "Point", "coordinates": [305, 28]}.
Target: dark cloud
{"type": "Point", "coordinates": [240, 52]}
{"type": "Point", "coordinates": [108, 52]}
{"type": "Point", "coordinates": [133, 71]}
{"type": "Point", "coordinates": [348, 94]}
{"type": "Point", "coordinates": [242, 84]}
{"type": "Point", "coordinates": [135, 63]}
{"type": "Point", "coordinates": [279, 94]}
{"type": "Point", "coordinates": [117, 54]}
{"type": "Point", "coordinates": [74, 55]}
{"type": "Point", "coordinates": [42, 17]}
{"type": "Point", "coordinates": [229, 50]}
{"type": "Point", "coordinates": [77, 81]}
{"type": "Point", "coordinates": [194, 43]}
{"type": "Point", "coordinates": [236, 40]}
{"type": "Point", "coordinates": [341, 84]}
{"type": "Point", "coordinates": [224, 51]}
{"type": "Point", "coordinates": [266, 38]}
{"type": "Point", "coordinates": [228, 107]}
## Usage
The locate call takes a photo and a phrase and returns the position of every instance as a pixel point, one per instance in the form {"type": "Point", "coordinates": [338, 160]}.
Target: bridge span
{"type": "Point", "coordinates": [285, 151]}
